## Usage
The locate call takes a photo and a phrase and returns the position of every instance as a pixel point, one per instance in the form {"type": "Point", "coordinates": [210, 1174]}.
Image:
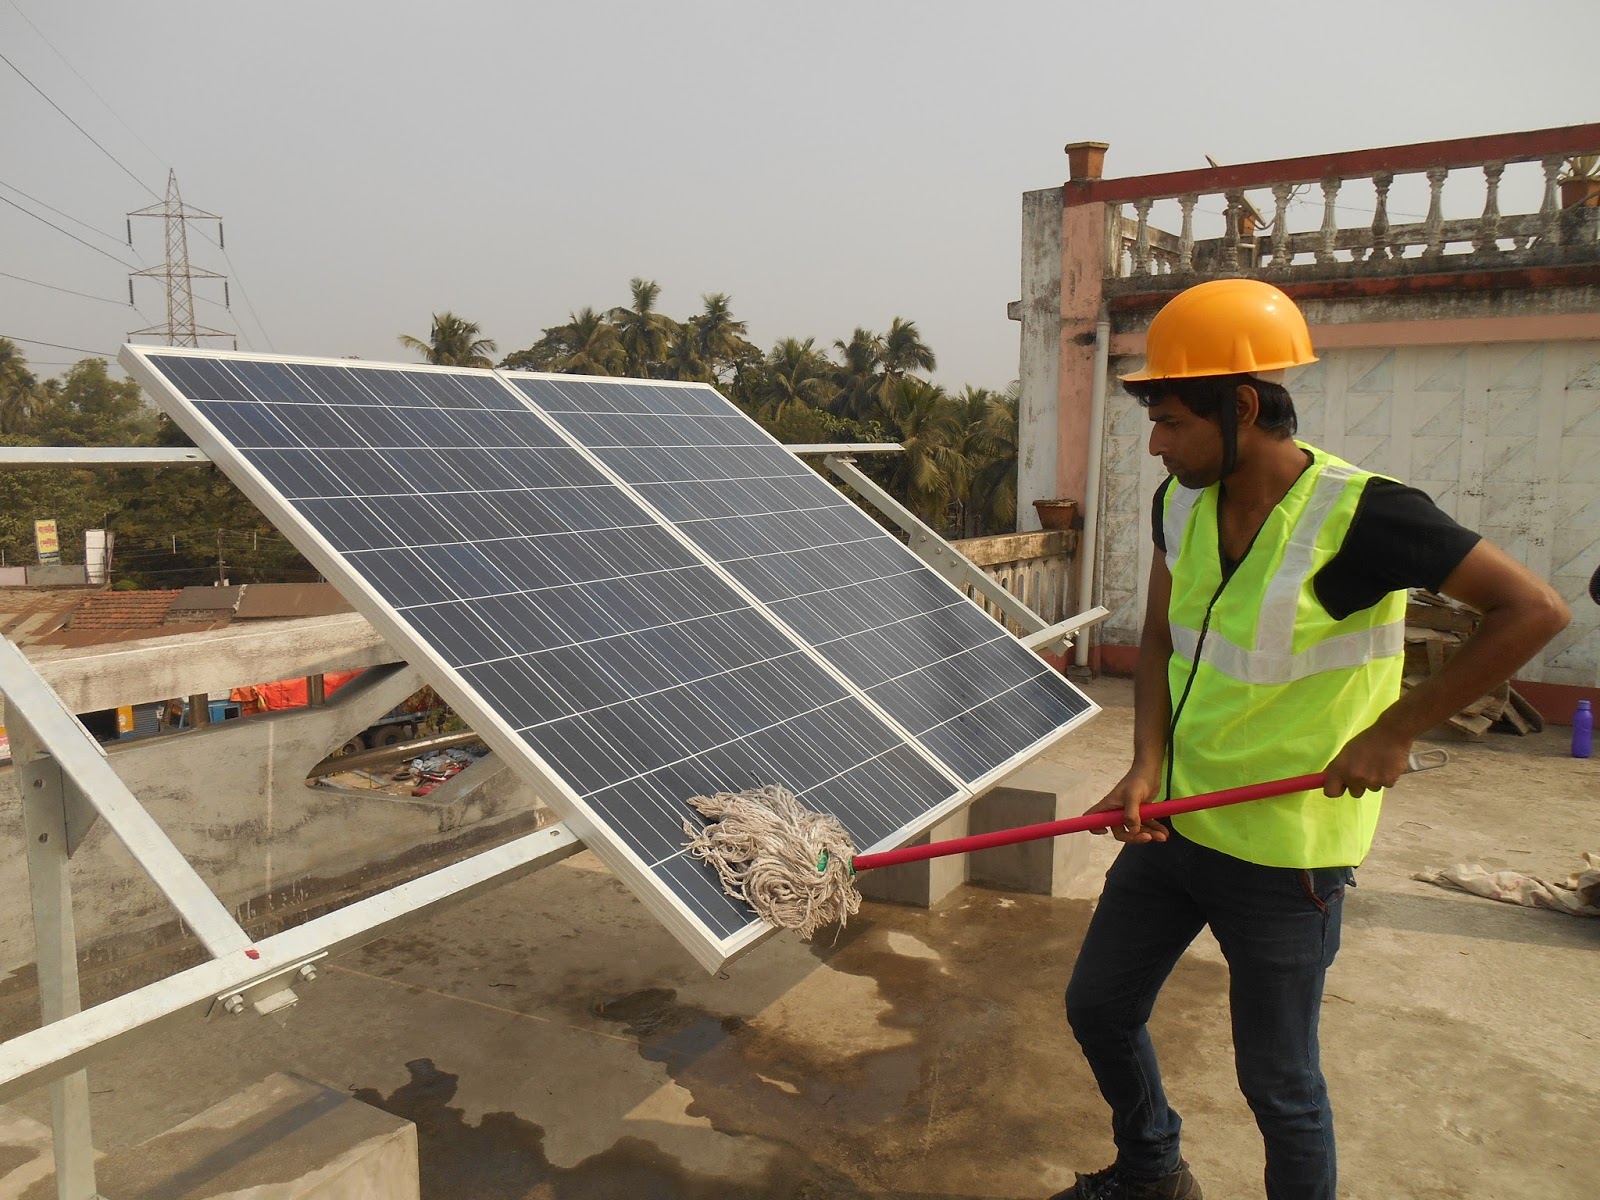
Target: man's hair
{"type": "Point", "coordinates": [1206, 395]}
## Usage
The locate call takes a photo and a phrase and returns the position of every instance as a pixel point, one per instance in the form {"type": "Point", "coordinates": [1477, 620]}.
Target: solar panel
{"type": "Point", "coordinates": [608, 654]}
{"type": "Point", "coordinates": [881, 616]}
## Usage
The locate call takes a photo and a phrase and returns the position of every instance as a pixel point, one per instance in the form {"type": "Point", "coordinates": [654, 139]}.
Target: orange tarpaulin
{"type": "Point", "coordinates": [286, 693]}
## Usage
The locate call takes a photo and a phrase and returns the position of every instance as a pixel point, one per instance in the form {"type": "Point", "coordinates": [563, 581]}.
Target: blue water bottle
{"type": "Point", "coordinates": [1582, 731]}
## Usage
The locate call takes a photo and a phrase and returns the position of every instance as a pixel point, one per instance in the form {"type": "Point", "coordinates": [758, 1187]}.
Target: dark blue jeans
{"type": "Point", "coordinates": [1279, 930]}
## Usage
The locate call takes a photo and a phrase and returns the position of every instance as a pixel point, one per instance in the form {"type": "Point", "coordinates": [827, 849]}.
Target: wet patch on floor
{"type": "Point", "coordinates": [962, 1060]}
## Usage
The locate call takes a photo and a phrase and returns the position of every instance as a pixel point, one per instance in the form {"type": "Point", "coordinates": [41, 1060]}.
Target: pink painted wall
{"type": "Point", "coordinates": [1082, 271]}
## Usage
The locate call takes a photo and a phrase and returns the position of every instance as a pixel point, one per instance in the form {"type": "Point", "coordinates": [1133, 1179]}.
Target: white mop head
{"type": "Point", "coordinates": [791, 865]}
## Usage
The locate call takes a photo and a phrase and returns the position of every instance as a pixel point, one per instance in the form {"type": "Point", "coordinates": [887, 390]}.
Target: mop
{"type": "Point", "coordinates": [797, 868]}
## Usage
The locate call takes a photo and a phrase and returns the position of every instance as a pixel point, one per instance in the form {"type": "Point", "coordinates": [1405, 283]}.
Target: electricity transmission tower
{"type": "Point", "coordinates": [181, 328]}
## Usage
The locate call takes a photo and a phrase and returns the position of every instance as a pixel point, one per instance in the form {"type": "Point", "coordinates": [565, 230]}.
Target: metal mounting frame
{"type": "Point", "coordinates": [66, 785]}
{"type": "Point", "coordinates": [1038, 634]}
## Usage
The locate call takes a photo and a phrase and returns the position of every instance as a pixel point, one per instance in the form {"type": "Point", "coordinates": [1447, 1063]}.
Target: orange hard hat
{"type": "Point", "coordinates": [1225, 327]}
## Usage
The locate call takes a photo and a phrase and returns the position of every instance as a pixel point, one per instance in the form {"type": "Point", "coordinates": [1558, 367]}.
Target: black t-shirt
{"type": "Point", "coordinates": [1397, 539]}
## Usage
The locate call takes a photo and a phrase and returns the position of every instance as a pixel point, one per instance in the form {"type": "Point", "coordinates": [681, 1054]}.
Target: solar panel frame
{"type": "Point", "coordinates": [706, 944]}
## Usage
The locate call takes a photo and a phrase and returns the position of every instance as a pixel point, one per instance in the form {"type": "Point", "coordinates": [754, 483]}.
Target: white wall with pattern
{"type": "Point", "coordinates": [1504, 437]}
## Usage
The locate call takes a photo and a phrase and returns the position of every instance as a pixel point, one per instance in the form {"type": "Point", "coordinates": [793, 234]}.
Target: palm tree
{"type": "Point", "coordinates": [931, 472]}
{"type": "Point", "coordinates": [796, 372]}
{"type": "Point", "coordinates": [453, 342]}
{"type": "Point", "coordinates": [589, 344]}
{"type": "Point", "coordinates": [860, 374]}
{"type": "Point", "coordinates": [683, 361]}
{"type": "Point", "coordinates": [904, 351]}
{"type": "Point", "coordinates": [990, 447]}
{"type": "Point", "coordinates": [19, 395]}
{"type": "Point", "coordinates": [645, 334]}
{"type": "Point", "coordinates": [719, 338]}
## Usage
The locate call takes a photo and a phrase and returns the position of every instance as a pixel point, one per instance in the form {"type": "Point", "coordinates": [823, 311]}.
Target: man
{"type": "Point", "coordinates": [1272, 647]}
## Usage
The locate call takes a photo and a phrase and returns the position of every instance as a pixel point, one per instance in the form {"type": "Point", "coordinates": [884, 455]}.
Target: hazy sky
{"type": "Point", "coordinates": [826, 164]}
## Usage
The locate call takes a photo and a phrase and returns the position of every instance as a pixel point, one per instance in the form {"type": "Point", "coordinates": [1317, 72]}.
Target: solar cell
{"type": "Point", "coordinates": [878, 614]}
{"type": "Point", "coordinates": [634, 594]}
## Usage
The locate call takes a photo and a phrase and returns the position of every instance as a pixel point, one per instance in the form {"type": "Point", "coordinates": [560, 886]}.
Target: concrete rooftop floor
{"type": "Point", "coordinates": [550, 1041]}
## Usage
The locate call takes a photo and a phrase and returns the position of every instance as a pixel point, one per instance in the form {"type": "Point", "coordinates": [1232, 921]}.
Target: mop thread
{"type": "Point", "coordinates": [793, 866]}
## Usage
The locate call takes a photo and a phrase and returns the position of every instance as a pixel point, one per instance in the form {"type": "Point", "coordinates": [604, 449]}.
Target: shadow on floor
{"type": "Point", "coordinates": [503, 1158]}
{"type": "Point", "coordinates": [1457, 913]}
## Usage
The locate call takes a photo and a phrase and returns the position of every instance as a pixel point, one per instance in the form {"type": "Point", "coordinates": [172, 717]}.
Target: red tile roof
{"type": "Point", "coordinates": [122, 610]}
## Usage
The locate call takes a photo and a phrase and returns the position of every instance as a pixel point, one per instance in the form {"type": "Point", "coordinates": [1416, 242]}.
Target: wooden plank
{"type": "Point", "coordinates": [1435, 651]}
{"type": "Point", "coordinates": [1474, 728]}
{"type": "Point", "coordinates": [1527, 711]}
{"type": "Point", "coordinates": [1518, 724]}
{"type": "Point", "coordinates": [1456, 620]}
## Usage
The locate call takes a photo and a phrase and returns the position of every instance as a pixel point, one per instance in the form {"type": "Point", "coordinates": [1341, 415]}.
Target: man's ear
{"type": "Point", "coordinates": [1246, 405]}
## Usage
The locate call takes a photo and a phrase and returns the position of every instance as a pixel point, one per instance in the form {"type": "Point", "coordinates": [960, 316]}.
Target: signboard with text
{"type": "Point", "coordinates": [44, 536]}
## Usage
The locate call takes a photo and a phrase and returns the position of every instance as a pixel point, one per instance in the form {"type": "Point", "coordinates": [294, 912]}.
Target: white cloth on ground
{"type": "Point", "coordinates": [1579, 895]}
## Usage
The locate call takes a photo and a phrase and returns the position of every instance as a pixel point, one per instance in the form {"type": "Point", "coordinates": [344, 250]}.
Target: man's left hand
{"type": "Point", "coordinates": [1371, 760]}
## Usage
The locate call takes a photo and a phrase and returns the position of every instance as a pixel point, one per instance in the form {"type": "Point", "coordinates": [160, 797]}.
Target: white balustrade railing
{"type": "Point", "coordinates": [1561, 229]}
{"type": "Point", "coordinates": [1037, 568]}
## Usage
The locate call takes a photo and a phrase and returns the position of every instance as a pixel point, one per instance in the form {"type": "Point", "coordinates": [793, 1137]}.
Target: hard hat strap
{"type": "Point", "coordinates": [1228, 418]}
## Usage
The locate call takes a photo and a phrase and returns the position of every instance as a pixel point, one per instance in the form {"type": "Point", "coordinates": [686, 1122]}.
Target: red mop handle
{"type": "Point", "coordinates": [1099, 820]}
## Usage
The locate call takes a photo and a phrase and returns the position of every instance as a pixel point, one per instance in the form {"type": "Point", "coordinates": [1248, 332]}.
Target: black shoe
{"type": "Point", "coordinates": [1112, 1184]}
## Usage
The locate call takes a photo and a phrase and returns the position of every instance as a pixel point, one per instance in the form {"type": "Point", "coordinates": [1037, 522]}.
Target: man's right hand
{"type": "Point", "coordinates": [1138, 787]}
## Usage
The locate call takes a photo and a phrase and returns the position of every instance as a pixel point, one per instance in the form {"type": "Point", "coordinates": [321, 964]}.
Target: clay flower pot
{"type": "Point", "coordinates": [1580, 193]}
{"type": "Point", "coordinates": [1057, 514]}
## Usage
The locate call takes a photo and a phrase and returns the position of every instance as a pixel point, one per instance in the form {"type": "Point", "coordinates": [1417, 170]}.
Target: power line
{"type": "Point", "coordinates": [82, 80]}
{"type": "Point", "coordinates": [79, 128]}
{"type": "Point", "coordinates": [110, 237]}
{"type": "Point", "coordinates": [126, 170]}
{"type": "Point", "coordinates": [57, 346]}
{"type": "Point", "coordinates": [242, 292]}
{"type": "Point", "coordinates": [54, 288]}
{"type": "Point", "coordinates": [68, 233]}
{"type": "Point", "coordinates": [255, 316]}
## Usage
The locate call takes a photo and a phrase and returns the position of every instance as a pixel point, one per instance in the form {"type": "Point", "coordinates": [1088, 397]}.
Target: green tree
{"type": "Point", "coordinates": [931, 473]}
{"type": "Point", "coordinates": [586, 345]}
{"type": "Point", "coordinates": [904, 352]}
{"type": "Point", "coordinates": [18, 390]}
{"type": "Point", "coordinates": [683, 361]}
{"type": "Point", "coordinates": [86, 407]}
{"type": "Point", "coordinates": [719, 338]}
{"type": "Point", "coordinates": [452, 342]}
{"type": "Point", "coordinates": [990, 449]}
{"type": "Point", "coordinates": [795, 372]}
{"type": "Point", "coordinates": [860, 374]}
{"type": "Point", "coordinates": [646, 335]}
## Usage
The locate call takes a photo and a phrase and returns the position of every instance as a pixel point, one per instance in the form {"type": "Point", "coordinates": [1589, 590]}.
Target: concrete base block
{"type": "Point", "coordinates": [920, 883]}
{"type": "Point", "coordinates": [1037, 793]}
{"type": "Point", "coordinates": [1061, 866]}
{"type": "Point", "coordinates": [282, 1139]}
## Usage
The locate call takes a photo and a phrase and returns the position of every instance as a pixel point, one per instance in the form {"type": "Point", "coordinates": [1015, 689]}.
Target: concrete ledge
{"type": "Point", "coordinates": [282, 1139]}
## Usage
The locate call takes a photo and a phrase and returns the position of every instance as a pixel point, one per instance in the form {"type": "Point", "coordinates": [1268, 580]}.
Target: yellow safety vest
{"type": "Point", "coordinates": [1279, 685]}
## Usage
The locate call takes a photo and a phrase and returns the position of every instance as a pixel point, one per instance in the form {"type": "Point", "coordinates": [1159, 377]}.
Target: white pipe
{"type": "Point", "coordinates": [1088, 542]}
